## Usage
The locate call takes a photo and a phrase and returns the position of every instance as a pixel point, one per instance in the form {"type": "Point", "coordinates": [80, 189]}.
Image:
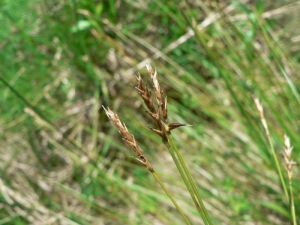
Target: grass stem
{"type": "Point", "coordinates": [189, 182]}
{"type": "Point", "coordinates": [267, 132]}
{"type": "Point", "coordinates": [171, 197]}
{"type": "Point", "coordinates": [292, 204]}
{"type": "Point", "coordinates": [278, 167]}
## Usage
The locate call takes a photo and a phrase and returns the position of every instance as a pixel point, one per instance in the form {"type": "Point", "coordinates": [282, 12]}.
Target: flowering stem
{"type": "Point", "coordinates": [292, 204]}
{"type": "Point", "coordinates": [186, 176]}
{"type": "Point", "coordinates": [171, 197]}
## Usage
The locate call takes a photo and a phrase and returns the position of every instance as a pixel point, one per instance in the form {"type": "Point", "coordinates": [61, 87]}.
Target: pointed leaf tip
{"type": "Point", "coordinates": [176, 125]}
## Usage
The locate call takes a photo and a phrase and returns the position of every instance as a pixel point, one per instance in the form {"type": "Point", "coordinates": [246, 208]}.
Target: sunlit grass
{"type": "Point", "coordinates": [60, 157]}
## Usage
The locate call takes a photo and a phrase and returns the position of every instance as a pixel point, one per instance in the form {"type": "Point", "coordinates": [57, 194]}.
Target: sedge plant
{"type": "Point", "coordinates": [287, 160]}
{"type": "Point", "coordinates": [159, 113]}
{"type": "Point", "coordinates": [289, 164]}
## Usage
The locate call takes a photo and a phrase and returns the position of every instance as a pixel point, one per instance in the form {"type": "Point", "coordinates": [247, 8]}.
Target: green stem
{"type": "Point", "coordinates": [292, 204]}
{"type": "Point", "coordinates": [278, 167]}
{"type": "Point", "coordinates": [270, 44]}
{"type": "Point", "coordinates": [171, 197]}
{"type": "Point", "coordinates": [185, 180]}
{"type": "Point", "coordinates": [207, 217]}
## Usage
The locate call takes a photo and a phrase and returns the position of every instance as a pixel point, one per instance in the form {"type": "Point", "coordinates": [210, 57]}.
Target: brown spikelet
{"type": "Point", "coordinates": [128, 138]}
{"type": "Point", "coordinates": [159, 114]}
{"type": "Point", "coordinates": [145, 94]}
{"type": "Point", "coordinates": [164, 109]}
{"type": "Point", "coordinates": [287, 157]}
{"type": "Point", "coordinates": [162, 101]}
{"type": "Point", "coordinates": [260, 109]}
{"type": "Point", "coordinates": [145, 162]}
{"type": "Point", "coordinates": [162, 133]}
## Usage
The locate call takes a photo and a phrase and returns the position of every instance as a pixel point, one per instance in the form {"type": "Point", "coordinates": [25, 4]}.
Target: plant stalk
{"type": "Point", "coordinates": [292, 204]}
{"type": "Point", "coordinates": [191, 181]}
{"type": "Point", "coordinates": [185, 180]}
{"type": "Point", "coordinates": [278, 167]}
{"type": "Point", "coordinates": [171, 197]}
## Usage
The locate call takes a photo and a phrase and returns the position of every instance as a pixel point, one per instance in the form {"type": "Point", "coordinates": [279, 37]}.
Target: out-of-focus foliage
{"type": "Point", "coordinates": [62, 161]}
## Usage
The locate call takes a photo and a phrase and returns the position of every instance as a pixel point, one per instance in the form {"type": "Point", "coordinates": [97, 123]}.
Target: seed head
{"type": "Point", "coordinates": [287, 157]}
{"type": "Point", "coordinates": [161, 100]}
{"type": "Point", "coordinates": [127, 137]}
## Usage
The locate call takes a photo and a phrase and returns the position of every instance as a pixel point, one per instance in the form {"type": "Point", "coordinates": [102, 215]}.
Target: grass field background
{"type": "Point", "coordinates": [63, 162]}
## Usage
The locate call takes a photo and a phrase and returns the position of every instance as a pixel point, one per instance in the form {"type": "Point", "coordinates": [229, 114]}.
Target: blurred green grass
{"type": "Point", "coordinates": [62, 162]}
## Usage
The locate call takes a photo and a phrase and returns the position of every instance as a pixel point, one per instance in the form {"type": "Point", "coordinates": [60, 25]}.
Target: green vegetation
{"type": "Point", "coordinates": [63, 162]}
